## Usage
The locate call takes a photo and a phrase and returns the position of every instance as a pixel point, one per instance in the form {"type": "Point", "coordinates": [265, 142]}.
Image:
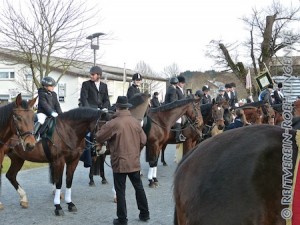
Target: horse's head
{"type": "Point", "coordinates": [269, 114]}
{"type": "Point", "coordinates": [140, 103]}
{"type": "Point", "coordinates": [254, 115]}
{"type": "Point", "coordinates": [218, 116]}
{"type": "Point", "coordinates": [193, 112]}
{"type": "Point", "coordinates": [22, 122]}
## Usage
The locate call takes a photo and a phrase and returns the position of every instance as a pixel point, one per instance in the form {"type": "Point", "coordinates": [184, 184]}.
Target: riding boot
{"type": "Point", "coordinates": [37, 127]}
{"type": "Point", "coordinates": [179, 136]}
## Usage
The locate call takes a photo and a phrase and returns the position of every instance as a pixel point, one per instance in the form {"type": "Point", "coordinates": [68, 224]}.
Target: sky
{"type": "Point", "coordinates": [163, 32]}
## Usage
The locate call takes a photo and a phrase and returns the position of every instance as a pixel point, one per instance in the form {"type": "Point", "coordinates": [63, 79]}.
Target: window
{"type": "Point", "coordinates": [7, 74]}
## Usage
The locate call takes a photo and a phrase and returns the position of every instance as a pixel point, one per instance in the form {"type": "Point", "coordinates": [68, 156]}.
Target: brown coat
{"type": "Point", "coordinates": [126, 139]}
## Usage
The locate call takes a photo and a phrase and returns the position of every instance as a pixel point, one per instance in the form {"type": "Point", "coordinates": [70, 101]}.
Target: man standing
{"type": "Point", "coordinates": [125, 139]}
{"type": "Point", "coordinates": [265, 95]}
{"type": "Point", "coordinates": [154, 101]}
{"type": "Point", "coordinates": [135, 87]}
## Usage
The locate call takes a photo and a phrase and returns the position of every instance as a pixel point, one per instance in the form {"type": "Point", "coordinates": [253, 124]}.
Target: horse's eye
{"type": "Point", "coordinates": [19, 118]}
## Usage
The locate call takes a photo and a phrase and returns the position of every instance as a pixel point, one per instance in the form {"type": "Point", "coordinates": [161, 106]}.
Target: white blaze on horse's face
{"type": "Point", "coordinates": [219, 108]}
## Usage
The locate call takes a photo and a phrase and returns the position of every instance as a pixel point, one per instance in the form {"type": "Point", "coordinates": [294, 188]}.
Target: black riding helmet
{"type": "Point", "coordinates": [199, 93]}
{"type": "Point", "coordinates": [48, 81]}
{"type": "Point", "coordinates": [173, 80]}
{"type": "Point", "coordinates": [137, 76]}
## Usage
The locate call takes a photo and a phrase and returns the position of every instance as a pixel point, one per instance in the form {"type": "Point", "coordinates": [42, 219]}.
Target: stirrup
{"type": "Point", "coordinates": [182, 137]}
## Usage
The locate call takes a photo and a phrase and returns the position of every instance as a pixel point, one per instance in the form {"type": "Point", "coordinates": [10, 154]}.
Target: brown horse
{"type": "Point", "coordinates": [16, 123]}
{"type": "Point", "coordinates": [158, 128]}
{"type": "Point", "coordinates": [140, 103]}
{"type": "Point", "coordinates": [259, 113]}
{"type": "Point", "coordinates": [234, 178]}
{"type": "Point", "coordinates": [213, 117]}
{"type": "Point", "coordinates": [63, 147]}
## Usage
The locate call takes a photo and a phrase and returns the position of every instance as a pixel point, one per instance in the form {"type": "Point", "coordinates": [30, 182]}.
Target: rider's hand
{"type": "Point", "coordinates": [54, 114]}
{"type": "Point", "coordinates": [105, 109]}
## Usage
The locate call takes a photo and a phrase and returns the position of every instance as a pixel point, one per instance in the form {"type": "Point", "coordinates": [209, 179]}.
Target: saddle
{"type": "Point", "coordinates": [47, 129]}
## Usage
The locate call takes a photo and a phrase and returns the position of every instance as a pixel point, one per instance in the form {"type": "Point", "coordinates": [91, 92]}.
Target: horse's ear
{"type": "Point", "coordinates": [213, 101]}
{"type": "Point", "coordinates": [105, 116]}
{"type": "Point", "coordinates": [19, 100]}
{"type": "Point", "coordinates": [32, 102]}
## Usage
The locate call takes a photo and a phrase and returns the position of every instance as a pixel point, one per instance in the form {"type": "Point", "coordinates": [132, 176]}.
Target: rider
{"type": "Point", "coordinates": [135, 87]}
{"type": "Point", "coordinates": [48, 105]}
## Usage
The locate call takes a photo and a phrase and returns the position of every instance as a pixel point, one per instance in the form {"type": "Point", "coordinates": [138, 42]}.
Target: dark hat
{"type": "Point", "coordinates": [228, 86]}
{"type": "Point", "coordinates": [122, 102]}
{"type": "Point", "coordinates": [205, 88]}
{"type": "Point", "coordinates": [137, 76]}
{"type": "Point", "coordinates": [155, 93]}
{"type": "Point", "coordinates": [279, 85]}
{"type": "Point", "coordinates": [173, 80]}
{"type": "Point", "coordinates": [96, 70]}
{"type": "Point", "coordinates": [181, 79]}
{"type": "Point", "coordinates": [199, 93]}
{"type": "Point", "coordinates": [221, 88]}
{"type": "Point", "coordinates": [270, 86]}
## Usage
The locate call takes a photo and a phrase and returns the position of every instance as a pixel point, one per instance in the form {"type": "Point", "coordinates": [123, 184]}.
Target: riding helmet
{"type": "Point", "coordinates": [96, 70]}
{"type": "Point", "coordinates": [199, 93]}
{"type": "Point", "coordinates": [48, 81]}
{"type": "Point", "coordinates": [173, 80]}
{"type": "Point", "coordinates": [137, 76]}
{"type": "Point", "coordinates": [205, 88]}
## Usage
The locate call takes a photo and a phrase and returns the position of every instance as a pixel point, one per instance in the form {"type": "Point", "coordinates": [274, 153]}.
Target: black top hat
{"type": "Point", "coordinates": [122, 102]}
{"type": "Point", "coordinates": [181, 79]}
{"type": "Point", "coordinates": [205, 88]}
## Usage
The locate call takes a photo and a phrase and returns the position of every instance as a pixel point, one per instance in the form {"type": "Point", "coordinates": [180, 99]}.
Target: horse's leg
{"type": "Point", "coordinates": [102, 174]}
{"type": "Point", "coordinates": [153, 182]}
{"type": "Point", "coordinates": [69, 179]}
{"type": "Point", "coordinates": [1, 163]}
{"type": "Point", "coordinates": [57, 170]}
{"type": "Point", "coordinates": [91, 174]}
{"type": "Point", "coordinates": [162, 158]}
{"type": "Point", "coordinates": [15, 167]}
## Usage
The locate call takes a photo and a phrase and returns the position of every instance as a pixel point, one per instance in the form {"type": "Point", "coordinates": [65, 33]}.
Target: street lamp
{"type": "Point", "coordinates": [95, 44]}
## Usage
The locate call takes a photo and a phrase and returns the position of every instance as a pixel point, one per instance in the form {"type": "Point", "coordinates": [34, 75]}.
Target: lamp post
{"type": "Point", "coordinates": [95, 43]}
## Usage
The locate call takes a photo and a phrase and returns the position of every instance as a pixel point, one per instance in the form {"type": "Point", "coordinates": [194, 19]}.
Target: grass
{"type": "Point", "coordinates": [27, 165]}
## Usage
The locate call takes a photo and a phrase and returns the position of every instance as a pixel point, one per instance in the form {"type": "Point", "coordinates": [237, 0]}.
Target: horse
{"type": "Point", "coordinates": [158, 127]}
{"type": "Point", "coordinates": [63, 147]}
{"type": "Point", "coordinates": [191, 130]}
{"type": "Point", "coordinates": [17, 123]}
{"type": "Point", "coordinates": [234, 178]}
{"type": "Point", "coordinates": [213, 120]}
{"type": "Point", "coordinates": [140, 104]}
{"type": "Point", "coordinates": [259, 113]}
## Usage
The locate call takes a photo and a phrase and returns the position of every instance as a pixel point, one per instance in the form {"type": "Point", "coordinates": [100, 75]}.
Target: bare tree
{"type": "Point", "coordinates": [171, 70]}
{"type": "Point", "coordinates": [45, 34]}
{"type": "Point", "coordinates": [265, 29]}
{"type": "Point", "coordinates": [150, 85]}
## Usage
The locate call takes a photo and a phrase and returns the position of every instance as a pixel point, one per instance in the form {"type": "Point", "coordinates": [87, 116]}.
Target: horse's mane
{"type": "Point", "coordinates": [172, 105]}
{"type": "Point", "coordinates": [277, 107]}
{"type": "Point", "coordinates": [251, 104]}
{"type": "Point", "coordinates": [138, 99]}
{"type": "Point", "coordinates": [5, 111]}
{"type": "Point", "coordinates": [82, 113]}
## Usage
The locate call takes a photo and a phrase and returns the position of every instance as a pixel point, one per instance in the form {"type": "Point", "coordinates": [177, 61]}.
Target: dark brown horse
{"type": "Point", "coordinates": [140, 103]}
{"type": "Point", "coordinates": [16, 123]}
{"type": "Point", "coordinates": [158, 128]}
{"type": "Point", "coordinates": [63, 147]}
{"type": "Point", "coordinates": [259, 113]}
{"type": "Point", "coordinates": [212, 116]}
{"type": "Point", "coordinates": [234, 178]}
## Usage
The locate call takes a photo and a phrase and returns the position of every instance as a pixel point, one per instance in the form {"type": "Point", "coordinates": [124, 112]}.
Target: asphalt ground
{"type": "Point", "coordinates": [95, 204]}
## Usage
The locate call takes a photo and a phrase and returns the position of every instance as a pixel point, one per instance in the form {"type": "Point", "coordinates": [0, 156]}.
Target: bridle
{"type": "Point", "coordinates": [21, 135]}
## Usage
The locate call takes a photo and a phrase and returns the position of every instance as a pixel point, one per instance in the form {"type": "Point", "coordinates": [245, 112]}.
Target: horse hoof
{"type": "Point", "coordinates": [1, 206]}
{"type": "Point", "coordinates": [104, 182]}
{"type": "Point", "coordinates": [115, 200]}
{"type": "Point", "coordinates": [58, 210]}
{"type": "Point", "coordinates": [165, 164]}
{"type": "Point", "coordinates": [151, 184]}
{"type": "Point", "coordinates": [72, 207]}
{"type": "Point", "coordinates": [24, 204]}
{"type": "Point", "coordinates": [92, 184]}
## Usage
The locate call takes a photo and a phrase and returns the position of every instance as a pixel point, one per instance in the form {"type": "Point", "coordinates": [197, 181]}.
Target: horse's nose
{"type": "Point", "coordinates": [29, 147]}
{"type": "Point", "coordinates": [220, 127]}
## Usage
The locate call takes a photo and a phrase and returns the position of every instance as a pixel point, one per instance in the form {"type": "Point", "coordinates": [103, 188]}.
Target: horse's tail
{"type": "Point", "coordinates": [175, 217]}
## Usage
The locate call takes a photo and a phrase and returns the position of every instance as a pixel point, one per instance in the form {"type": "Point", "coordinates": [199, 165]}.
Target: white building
{"type": "Point", "coordinates": [16, 78]}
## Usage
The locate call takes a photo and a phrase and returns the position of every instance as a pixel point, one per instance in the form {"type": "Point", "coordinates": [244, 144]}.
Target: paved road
{"type": "Point", "coordinates": [95, 204]}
